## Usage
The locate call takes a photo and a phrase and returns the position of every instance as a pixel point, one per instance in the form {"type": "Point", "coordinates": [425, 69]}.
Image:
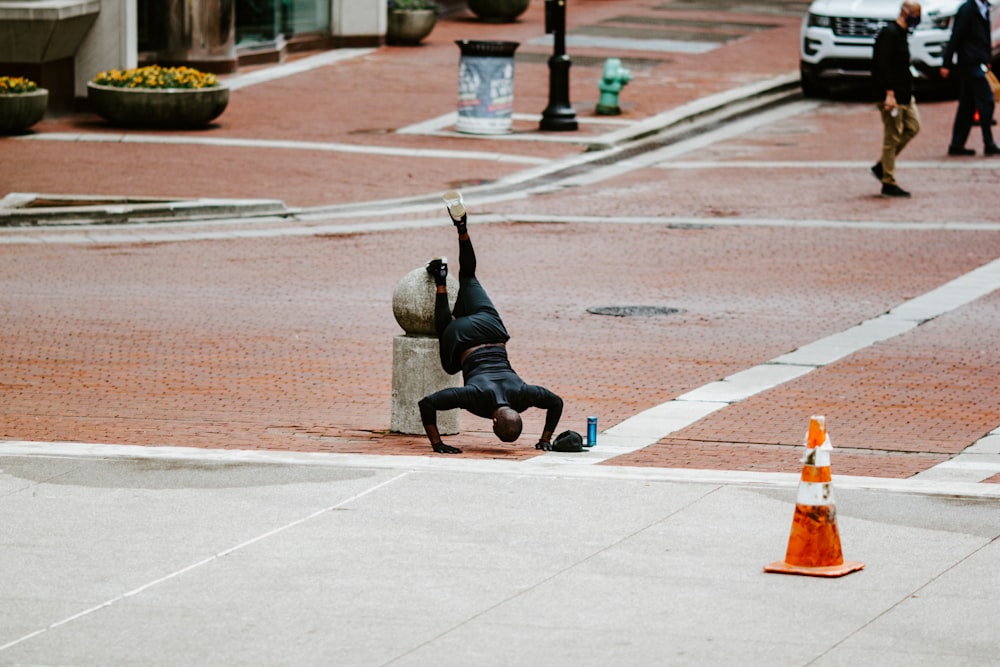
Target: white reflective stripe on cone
{"type": "Point", "coordinates": [817, 456]}
{"type": "Point", "coordinates": [815, 493]}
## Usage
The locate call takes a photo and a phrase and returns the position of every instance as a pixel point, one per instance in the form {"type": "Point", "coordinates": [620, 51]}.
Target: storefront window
{"type": "Point", "coordinates": [264, 20]}
{"type": "Point", "coordinates": [305, 16]}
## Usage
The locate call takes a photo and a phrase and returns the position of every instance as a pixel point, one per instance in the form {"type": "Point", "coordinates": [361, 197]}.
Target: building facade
{"type": "Point", "coordinates": [62, 44]}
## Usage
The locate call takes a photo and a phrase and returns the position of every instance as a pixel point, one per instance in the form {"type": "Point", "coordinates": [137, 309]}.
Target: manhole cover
{"type": "Point", "coordinates": [633, 311]}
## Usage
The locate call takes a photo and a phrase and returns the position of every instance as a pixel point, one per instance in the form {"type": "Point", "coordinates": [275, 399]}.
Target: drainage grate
{"type": "Point", "coordinates": [633, 311]}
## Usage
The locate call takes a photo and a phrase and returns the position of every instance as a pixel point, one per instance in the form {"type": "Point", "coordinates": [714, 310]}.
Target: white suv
{"type": "Point", "coordinates": [838, 36]}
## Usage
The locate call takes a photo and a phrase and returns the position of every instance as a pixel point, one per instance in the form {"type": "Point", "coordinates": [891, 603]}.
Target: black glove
{"type": "Point", "coordinates": [442, 448]}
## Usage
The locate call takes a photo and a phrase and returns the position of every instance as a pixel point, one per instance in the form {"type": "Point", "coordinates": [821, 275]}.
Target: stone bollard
{"type": "Point", "coordinates": [416, 362]}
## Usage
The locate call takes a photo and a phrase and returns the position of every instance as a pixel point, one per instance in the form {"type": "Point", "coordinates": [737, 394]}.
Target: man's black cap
{"type": "Point", "coordinates": [568, 441]}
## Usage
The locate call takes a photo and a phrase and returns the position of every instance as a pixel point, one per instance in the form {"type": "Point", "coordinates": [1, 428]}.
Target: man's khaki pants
{"type": "Point", "coordinates": [898, 132]}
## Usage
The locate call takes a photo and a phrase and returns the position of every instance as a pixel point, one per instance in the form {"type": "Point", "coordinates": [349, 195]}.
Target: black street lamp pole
{"type": "Point", "coordinates": [559, 115]}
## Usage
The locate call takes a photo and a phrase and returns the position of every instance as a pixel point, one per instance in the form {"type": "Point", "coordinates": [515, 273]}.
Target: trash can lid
{"type": "Point", "coordinates": [487, 49]}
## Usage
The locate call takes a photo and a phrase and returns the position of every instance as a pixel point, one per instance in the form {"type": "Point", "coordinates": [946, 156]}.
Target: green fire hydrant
{"type": "Point", "coordinates": [614, 79]}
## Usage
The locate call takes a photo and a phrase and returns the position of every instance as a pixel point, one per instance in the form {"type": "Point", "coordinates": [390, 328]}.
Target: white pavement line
{"type": "Point", "coordinates": [439, 127]}
{"type": "Point", "coordinates": [229, 228]}
{"type": "Point", "coordinates": [832, 164]}
{"type": "Point", "coordinates": [652, 425]}
{"type": "Point", "coordinates": [988, 444]}
{"type": "Point", "coordinates": [553, 465]}
{"type": "Point", "coordinates": [206, 561]}
{"type": "Point", "coordinates": [630, 44]}
{"type": "Point", "coordinates": [137, 234]}
{"type": "Point", "coordinates": [979, 461]}
{"type": "Point", "coordinates": [295, 67]}
{"type": "Point", "coordinates": [285, 145]}
{"type": "Point", "coordinates": [431, 125]}
{"type": "Point", "coordinates": [751, 222]}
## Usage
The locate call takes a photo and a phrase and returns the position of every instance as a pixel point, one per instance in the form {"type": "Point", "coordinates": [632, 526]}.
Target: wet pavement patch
{"type": "Point", "coordinates": [674, 22]}
{"type": "Point", "coordinates": [780, 7]}
{"type": "Point", "coordinates": [633, 311]}
{"type": "Point", "coordinates": [168, 474]}
{"type": "Point", "coordinates": [632, 64]}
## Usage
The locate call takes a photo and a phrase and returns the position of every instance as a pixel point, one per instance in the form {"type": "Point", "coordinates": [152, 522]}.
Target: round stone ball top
{"type": "Point", "coordinates": [413, 302]}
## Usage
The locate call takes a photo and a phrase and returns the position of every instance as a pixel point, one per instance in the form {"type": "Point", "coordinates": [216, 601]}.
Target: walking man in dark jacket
{"type": "Point", "coordinates": [971, 43]}
{"type": "Point", "coordinates": [894, 94]}
{"type": "Point", "coordinates": [473, 339]}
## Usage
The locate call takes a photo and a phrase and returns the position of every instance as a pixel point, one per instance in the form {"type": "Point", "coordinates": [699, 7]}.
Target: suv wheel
{"type": "Point", "coordinates": [811, 86]}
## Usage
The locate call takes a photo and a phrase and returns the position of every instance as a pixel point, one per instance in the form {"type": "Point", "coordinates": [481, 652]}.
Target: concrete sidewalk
{"type": "Point", "coordinates": [166, 557]}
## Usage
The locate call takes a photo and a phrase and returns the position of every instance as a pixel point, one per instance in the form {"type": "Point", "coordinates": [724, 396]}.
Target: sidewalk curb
{"type": "Point", "coordinates": [16, 210]}
{"type": "Point", "coordinates": [545, 465]}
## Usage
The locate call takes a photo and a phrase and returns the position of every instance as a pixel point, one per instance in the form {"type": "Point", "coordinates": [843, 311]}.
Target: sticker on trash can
{"type": "Point", "coordinates": [485, 95]}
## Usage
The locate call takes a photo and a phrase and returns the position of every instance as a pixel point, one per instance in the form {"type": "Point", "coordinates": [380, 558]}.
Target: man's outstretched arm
{"type": "Point", "coordinates": [553, 406]}
{"type": "Point", "coordinates": [446, 399]}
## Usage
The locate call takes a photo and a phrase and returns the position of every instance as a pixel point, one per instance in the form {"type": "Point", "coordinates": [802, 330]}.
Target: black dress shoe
{"type": "Point", "coordinates": [960, 150]}
{"type": "Point", "coordinates": [877, 171]}
{"type": "Point", "coordinates": [992, 149]}
{"type": "Point", "coordinates": [893, 190]}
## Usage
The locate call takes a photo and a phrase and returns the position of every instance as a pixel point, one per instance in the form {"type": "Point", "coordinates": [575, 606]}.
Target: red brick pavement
{"type": "Point", "coordinates": [286, 343]}
{"type": "Point", "coordinates": [363, 101]}
{"type": "Point", "coordinates": [899, 407]}
{"type": "Point", "coordinates": [750, 184]}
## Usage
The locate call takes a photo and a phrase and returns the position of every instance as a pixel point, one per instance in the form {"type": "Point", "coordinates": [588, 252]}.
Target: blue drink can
{"type": "Point", "coordinates": [591, 431]}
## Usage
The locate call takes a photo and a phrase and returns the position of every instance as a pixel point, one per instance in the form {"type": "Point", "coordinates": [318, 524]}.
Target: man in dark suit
{"type": "Point", "coordinates": [971, 43]}
{"type": "Point", "coordinates": [893, 91]}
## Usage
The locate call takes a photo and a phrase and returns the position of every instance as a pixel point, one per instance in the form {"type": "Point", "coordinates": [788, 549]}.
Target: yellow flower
{"type": "Point", "coordinates": [154, 76]}
{"type": "Point", "coordinates": [13, 85]}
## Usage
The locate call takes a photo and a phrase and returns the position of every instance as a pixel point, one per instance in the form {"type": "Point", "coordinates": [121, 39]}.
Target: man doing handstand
{"type": "Point", "coordinates": [473, 339]}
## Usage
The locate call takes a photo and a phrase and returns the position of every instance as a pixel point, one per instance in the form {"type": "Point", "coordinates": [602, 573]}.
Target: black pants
{"type": "Point", "coordinates": [476, 320]}
{"type": "Point", "coordinates": [974, 93]}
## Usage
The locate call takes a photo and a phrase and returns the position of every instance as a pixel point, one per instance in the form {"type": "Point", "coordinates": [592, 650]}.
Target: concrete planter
{"type": "Point", "coordinates": [19, 111]}
{"type": "Point", "coordinates": [163, 108]}
{"type": "Point", "coordinates": [408, 27]}
{"type": "Point", "coordinates": [498, 11]}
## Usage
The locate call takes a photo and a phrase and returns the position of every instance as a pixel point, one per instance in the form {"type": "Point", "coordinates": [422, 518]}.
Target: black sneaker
{"type": "Point", "coordinates": [992, 149]}
{"type": "Point", "coordinates": [877, 171]}
{"type": "Point", "coordinates": [893, 190]}
{"type": "Point", "coordinates": [437, 268]}
{"type": "Point", "coordinates": [456, 207]}
{"type": "Point", "coordinates": [960, 150]}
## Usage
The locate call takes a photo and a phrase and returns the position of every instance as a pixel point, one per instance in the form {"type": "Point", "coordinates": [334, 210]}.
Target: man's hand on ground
{"type": "Point", "coordinates": [541, 444]}
{"type": "Point", "coordinates": [442, 448]}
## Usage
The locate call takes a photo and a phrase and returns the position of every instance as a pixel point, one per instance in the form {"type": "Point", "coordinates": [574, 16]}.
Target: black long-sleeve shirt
{"type": "Point", "coordinates": [891, 64]}
{"type": "Point", "coordinates": [490, 382]}
{"type": "Point", "coordinates": [970, 38]}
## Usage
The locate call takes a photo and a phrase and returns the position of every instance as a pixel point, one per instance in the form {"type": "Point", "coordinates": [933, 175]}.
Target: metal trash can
{"type": "Point", "coordinates": [485, 87]}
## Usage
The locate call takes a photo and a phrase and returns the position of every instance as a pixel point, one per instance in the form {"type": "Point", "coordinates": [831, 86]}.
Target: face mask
{"type": "Point", "coordinates": [912, 22]}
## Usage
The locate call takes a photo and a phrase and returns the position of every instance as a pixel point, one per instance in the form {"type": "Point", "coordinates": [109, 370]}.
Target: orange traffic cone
{"type": "Point", "coordinates": [814, 544]}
